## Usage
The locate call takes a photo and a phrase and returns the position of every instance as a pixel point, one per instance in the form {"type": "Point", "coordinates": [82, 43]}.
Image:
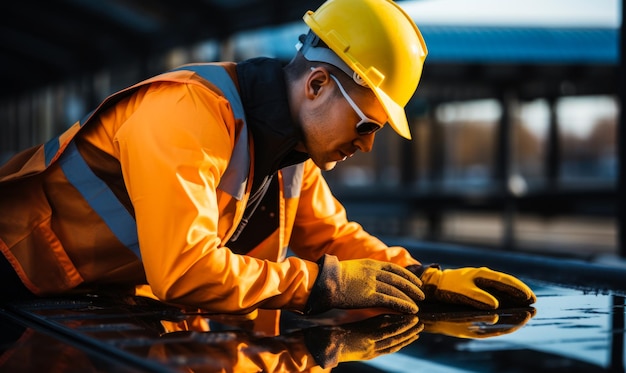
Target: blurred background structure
{"type": "Point", "coordinates": [516, 141]}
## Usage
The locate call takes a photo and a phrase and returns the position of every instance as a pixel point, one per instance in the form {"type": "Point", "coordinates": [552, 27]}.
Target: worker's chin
{"type": "Point", "coordinates": [325, 163]}
{"type": "Point", "coordinates": [327, 166]}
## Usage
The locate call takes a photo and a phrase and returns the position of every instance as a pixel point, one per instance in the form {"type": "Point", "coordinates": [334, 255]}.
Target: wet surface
{"type": "Point", "coordinates": [567, 330]}
{"type": "Point", "coordinates": [571, 331]}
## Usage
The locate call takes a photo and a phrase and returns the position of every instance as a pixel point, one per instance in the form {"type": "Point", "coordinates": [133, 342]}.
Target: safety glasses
{"type": "Point", "coordinates": [366, 126]}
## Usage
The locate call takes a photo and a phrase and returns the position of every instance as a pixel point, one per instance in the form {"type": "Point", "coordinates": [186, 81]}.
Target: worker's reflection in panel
{"type": "Point", "coordinates": [265, 340]}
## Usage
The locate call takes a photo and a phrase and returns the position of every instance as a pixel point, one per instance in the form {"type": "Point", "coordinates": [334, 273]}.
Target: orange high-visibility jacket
{"type": "Point", "coordinates": [149, 189]}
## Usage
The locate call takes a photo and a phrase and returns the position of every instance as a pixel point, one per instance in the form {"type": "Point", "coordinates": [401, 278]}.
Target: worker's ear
{"type": "Point", "coordinates": [316, 81]}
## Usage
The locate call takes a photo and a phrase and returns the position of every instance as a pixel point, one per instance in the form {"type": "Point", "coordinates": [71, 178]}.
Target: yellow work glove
{"type": "Point", "coordinates": [363, 283]}
{"type": "Point", "coordinates": [481, 288]}
{"type": "Point", "coordinates": [361, 340]}
{"type": "Point", "coordinates": [477, 325]}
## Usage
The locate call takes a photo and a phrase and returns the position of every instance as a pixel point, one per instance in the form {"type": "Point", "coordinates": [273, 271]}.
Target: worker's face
{"type": "Point", "coordinates": [329, 120]}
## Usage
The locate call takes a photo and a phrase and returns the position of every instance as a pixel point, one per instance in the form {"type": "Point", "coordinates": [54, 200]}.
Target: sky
{"type": "Point", "coordinates": [585, 13]}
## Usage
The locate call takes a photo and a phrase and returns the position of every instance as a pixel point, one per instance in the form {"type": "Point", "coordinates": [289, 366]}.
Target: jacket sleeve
{"type": "Point", "coordinates": [173, 150]}
{"type": "Point", "coordinates": [321, 227]}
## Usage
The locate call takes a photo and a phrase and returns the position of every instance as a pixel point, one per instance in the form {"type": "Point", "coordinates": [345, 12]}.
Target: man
{"type": "Point", "coordinates": [192, 185]}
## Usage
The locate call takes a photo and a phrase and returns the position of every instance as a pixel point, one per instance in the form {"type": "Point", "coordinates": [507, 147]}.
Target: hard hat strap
{"type": "Point", "coordinates": [312, 50]}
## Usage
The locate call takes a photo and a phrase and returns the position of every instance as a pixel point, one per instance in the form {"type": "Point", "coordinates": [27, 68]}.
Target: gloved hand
{"type": "Point", "coordinates": [481, 288]}
{"type": "Point", "coordinates": [363, 283]}
{"type": "Point", "coordinates": [477, 325]}
{"type": "Point", "coordinates": [361, 340]}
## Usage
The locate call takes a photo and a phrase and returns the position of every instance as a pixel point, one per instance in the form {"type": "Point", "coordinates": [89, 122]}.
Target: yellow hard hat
{"type": "Point", "coordinates": [380, 43]}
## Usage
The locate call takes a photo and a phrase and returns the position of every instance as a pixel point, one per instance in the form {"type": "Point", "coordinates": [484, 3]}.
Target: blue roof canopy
{"type": "Point", "coordinates": [477, 44]}
{"type": "Point", "coordinates": [521, 44]}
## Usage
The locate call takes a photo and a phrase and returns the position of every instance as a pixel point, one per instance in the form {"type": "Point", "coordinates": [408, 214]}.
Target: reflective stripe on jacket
{"type": "Point", "coordinates": [149, 189]}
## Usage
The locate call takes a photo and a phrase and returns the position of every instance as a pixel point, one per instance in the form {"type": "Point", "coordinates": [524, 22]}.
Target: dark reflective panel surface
{"type": "Point", "coordinates": [28, 349]}
{"type": "Point", "coordinates": [567, 330]}
{"type": "Point", "coordinates": [571, 331]}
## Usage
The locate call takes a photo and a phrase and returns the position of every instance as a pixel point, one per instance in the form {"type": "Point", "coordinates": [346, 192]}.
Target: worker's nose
{"type": "Point", "coordinates": [365, 143]}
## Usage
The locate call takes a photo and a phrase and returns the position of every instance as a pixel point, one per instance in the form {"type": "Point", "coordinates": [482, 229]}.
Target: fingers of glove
{"type": "Point", "coordinates": [518, 317]}
{"type": "Point", "coordinates": [382, 325]}
{"type": "Point", "coordinates": [471, 296]}
{"type": "Point", "coordinates": [484, 285]}
{"type": "Point", "coordinates": [507, 323]}
{"type": "Point", "coordinates": [395, 332]}
{"type": "Point", "coordinates": [402, 272]}
{"type": "Point", "coordinates": [398, 281]}
{"type": "Point", "coordinates": [505, 287]}
{"type": "Point", "coordinates": [395, 345]}
{"type": "Point", "coordinates": [390, 297]}
{"type": "Point", "coordinates": [400, 326]}
{"type": "Point", "coordinates": [394, 325]}
{"type": "Point", "coordinates": [478, 327]}
{"type": "Point", "coordinates": [506, 295]}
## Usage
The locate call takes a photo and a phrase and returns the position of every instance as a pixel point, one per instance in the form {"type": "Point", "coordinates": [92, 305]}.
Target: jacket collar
{"type": "Point", "coordinates": [263, 92]}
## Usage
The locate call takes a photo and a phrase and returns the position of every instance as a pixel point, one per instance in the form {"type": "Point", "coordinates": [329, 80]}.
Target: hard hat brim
{"type": "Point", "coordinates": [396, 113]}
